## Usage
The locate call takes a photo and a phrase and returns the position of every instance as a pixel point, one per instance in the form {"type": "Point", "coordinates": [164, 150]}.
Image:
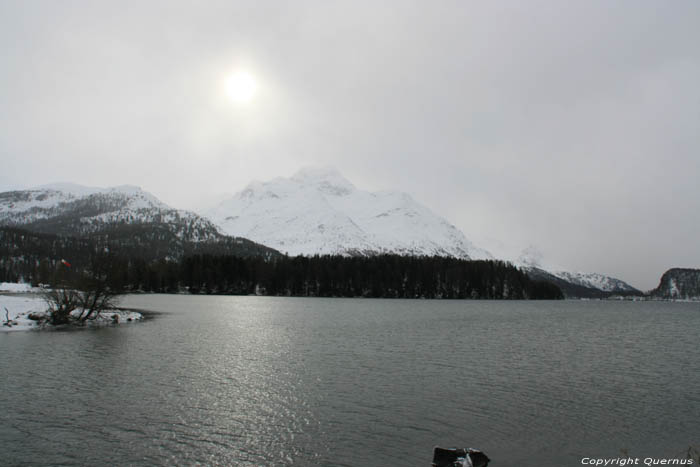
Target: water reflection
{"type": "Point", "coordinates": [275, 381]}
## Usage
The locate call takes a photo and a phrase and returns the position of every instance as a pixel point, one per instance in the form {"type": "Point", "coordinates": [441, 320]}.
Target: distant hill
{"type": "Point", "coordinates": [679, 284]}
{"type": "Point", "coordinates": [125, 218]}
{"type": "Point", "coordinates": [573, 284]}
{"type": "Point", "coordinates": [34, 257]}
{"type": "Point", "coordinates": [573, 287]}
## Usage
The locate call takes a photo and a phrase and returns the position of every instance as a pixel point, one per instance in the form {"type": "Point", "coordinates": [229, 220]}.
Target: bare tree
{"type": "Point", "coordinates": [89, 291]}
{"type": "Point", "coordinates": [96, 296]}
{"type": "Point", "coordinates": [61, 300]}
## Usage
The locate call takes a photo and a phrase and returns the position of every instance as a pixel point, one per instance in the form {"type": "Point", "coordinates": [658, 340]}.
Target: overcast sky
{"type": "Point", "coordinates": [571, 126]}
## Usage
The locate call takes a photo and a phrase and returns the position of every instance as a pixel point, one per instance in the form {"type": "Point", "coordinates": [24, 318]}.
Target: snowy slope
{"type": "Point", "coordinates": [595, 281]}
{"type": "Point", "coordinates": [50, 200]}
{"type": "Point", "coordinates": [74, 209]}
{"type": "Point", "coordinates": [318, 211]}
{"type": "Point", "coordinates": [532, 259]}
{"type": "Point", "coordinates": [30, 205]}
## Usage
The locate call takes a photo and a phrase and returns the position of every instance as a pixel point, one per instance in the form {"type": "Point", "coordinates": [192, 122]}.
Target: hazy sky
{"type": "Point", "coordinates": [572, 126]}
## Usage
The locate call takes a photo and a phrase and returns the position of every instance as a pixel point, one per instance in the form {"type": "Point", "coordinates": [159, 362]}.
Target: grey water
{"type": "Point", "coordinates": [212, 380]}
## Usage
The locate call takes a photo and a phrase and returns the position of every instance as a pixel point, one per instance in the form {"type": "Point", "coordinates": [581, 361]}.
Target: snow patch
{"type": "Point", "coordinates": [19, 308]}
{"type": "Point", "coordinates": [673, 291]}
{"type": "Point", "coordinates": [17, 288]}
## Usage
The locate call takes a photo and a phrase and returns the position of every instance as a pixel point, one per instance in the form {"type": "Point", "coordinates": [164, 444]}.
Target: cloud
{"type": "Point", "coordinates": [572, 126]}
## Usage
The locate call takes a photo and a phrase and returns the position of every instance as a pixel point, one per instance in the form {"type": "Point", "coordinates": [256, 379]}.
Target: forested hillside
{"type": "Point", "coordinates": [236, 266]}
{"type": "Point", "coordinates": [35, 257]}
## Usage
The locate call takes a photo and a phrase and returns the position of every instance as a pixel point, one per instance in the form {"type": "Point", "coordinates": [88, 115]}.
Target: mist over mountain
{"type": "Point", "coordinates": [316, 211]}
{"type": "Point", "coordinates": [573, 284]}
{"type": "Point", "coordinates": [152, 247]}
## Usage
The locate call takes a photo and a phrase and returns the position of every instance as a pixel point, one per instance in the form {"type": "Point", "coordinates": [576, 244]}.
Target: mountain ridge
{"type": "Point", "coordinates": [126, 216]}
{"type": "Point", "coordinates": [573, 284]}
{"type": "Point", "coordinates": [316, 211]}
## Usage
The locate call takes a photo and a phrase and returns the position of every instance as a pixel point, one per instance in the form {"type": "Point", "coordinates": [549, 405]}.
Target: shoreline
{"type": "Point", "coordinates": [16, 307]}
{"type": "Point", "coordinates": [21, 300]}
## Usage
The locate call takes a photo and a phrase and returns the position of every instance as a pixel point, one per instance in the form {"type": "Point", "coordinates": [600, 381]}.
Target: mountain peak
{"type": "Point", "coordinates": [51, 194]}
{"type": "Point", "coordinates": [127, 189]}
{"type": "Point", "coordinates": [326, 179]}
{"type": "Point", "coordinates": [82, 190]}
{"type": "Point", "coordinates": [69, 188]}
{"type": "Point", "coordinates": [318, 211]}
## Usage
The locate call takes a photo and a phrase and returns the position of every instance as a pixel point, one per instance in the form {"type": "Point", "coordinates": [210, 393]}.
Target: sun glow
{"type": "Point", "coordinates": [241, 87]}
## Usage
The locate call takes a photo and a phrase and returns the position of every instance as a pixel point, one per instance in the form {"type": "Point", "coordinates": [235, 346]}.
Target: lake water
{"type": "Point", "coordinates": [354, 382]}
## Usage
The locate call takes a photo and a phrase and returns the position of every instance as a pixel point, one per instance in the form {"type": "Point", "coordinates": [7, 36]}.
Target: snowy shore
{"type": "Point", "coordinates": [24, 301]}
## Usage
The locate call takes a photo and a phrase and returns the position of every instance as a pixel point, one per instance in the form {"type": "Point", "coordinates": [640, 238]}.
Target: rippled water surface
{"type": "Point", "coordinates": [292, 381]}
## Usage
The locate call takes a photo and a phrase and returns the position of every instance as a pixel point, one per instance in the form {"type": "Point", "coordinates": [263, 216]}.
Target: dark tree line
{"type": "Point", "coordinates": [36, 258]}
{"type": "Point", "coordinates": [381, 276]}
{"type": "Point", "coordinates": [32, 257]}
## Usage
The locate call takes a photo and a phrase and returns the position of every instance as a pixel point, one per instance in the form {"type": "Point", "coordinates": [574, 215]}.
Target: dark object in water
{"type": "Point", "coordinates": [459, 458]}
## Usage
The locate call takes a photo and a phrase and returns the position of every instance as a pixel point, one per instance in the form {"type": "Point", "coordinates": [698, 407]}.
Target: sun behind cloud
{"type": "Point", "coordinates": [241, 87]}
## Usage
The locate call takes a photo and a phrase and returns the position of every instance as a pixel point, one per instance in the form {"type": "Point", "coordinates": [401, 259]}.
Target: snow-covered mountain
{"type": "Point", "coordinates": [73, 209]}
{"type": "Point", "coordinates": [595, 280]}
{"type": "Point", "coordinates": [47, 201]}
{"type": "Point", "coordinates": [318, 211]}
{"type": "Point", "coordinates": [531, 261]}
{"type": "Point", "coordinates": [123, 216]}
